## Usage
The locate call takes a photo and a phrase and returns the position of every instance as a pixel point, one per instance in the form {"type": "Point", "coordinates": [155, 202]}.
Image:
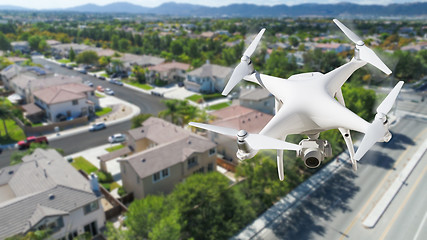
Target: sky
{"type": "Point", "coordinates": [54, 4]}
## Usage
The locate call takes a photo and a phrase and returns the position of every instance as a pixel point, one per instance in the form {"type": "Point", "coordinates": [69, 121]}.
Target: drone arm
{"type": "Point", "coordinates": [280, 168]}
{"type": "Point", "coordinates": [336, 78]}
{"type": "Point", "coordinates": [277, 105]}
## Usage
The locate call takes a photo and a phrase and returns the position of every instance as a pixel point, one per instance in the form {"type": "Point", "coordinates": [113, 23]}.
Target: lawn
{"type": "Point", "coordinates": [103, 111]}
{"type": "Point", "coordinates": [99, 95]}
{"type": "Point", "coordinates": [114, 148]}
{"type": "Point", "coordinates": [195, 98]}
{"type": "Point", "coordinates": [15, 132]}
{"type": "Point", "coordinates": [63, 60]}
{"type": "Point", "coordinates": [83, 164]}
{"type": "Point", "coordinates": [219, 106]}
{"type": "Point", "coordinates": [139, 85]}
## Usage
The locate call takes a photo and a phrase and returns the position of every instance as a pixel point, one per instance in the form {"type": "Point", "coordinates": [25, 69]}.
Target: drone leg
{"type": "Point", "coordinates": [280, 165]}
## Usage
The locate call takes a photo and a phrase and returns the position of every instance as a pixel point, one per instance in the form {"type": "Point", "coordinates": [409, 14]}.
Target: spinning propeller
{"type": "Point", "coordinates": [255, 141]}
{"type": "Point", "coordinates": [365, 53]}
{"type": "Point", "coordinates": [378, 130]}
{"type": "Point", "coordinates": [245, 66]}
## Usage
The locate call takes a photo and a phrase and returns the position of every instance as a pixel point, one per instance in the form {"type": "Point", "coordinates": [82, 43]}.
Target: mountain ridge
{"type": "Point", "coordinates": [249, 10]}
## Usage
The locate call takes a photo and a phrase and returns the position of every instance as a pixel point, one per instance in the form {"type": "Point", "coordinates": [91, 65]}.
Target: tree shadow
{"type": "Point", "coordinates": [377, 159]}
{"type": "Point", "coordinates": [330, 198]}
{"type": "Point", "coordinates": [398, 141]}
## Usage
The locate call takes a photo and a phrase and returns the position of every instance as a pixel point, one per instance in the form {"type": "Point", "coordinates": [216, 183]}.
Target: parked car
{"type": "Point", "coordinates": [100, 88]}
{"type": "Point", "coordinates": [63, 65]}
{"type": "Point", "coordinates": [115, 81]}
{"type": "Point", "coordinates": [89, 83]}
{"type": "Point", "coordinates": [116, 138]}
{"type": "Point", "coordinates": [97, 126]}
{"type": "Point", "coordinates": [101, 77]}
{"type": "Point", "coordinates": [109, 91]}
{"type": "Point", "coordinates": [24, 144]}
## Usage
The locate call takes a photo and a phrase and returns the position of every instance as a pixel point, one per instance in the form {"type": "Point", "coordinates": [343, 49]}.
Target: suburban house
{"type": "Point", "coordinates": [31, 79]}
{"type": "Point", "coordinates": [62, 50]}
{"type": "Point", "coordinates": [128, 60]}
{"type": "Point", "coordinates": [336, 47]}
{"type": "Point", "coordinates": [66, 101]}
{"type": "Point", "coordinates": [21, 46]}
{"type": "Point", "coordinates": [258, 99]}
{"type": "Point", "coordinates": [168, 72]}
{"type": "Point", "coordinates": [208, 78]}
{"type": "Point", "coordinates": [46, 192]}
{"type": "Point", "coordinates": [236, 117]}
{"type": "Point", "coordinates": [165, 155]}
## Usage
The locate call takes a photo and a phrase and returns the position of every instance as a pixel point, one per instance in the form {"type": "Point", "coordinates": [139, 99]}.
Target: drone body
{"type": "Point", "coordinates": [310, 103]}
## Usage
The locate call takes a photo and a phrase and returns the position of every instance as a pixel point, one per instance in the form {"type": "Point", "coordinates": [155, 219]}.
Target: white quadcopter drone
{"type": "Point", "coordinates": [305, 104]}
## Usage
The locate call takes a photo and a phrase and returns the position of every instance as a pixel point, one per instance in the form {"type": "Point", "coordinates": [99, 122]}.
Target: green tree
{"type": "Point", "coordinates": [209, 209]}
{"type": "Point", "coordinates": [71, 55]}
{"type": "Point", "coordinates": [87, 57]}
{"type": "Point", "coordinates": [124, 44]}
{"type": "Point", "coordinates": [293, 41]}
{"type": "Point", "coordinates": [4, 43]}
{"type": "Point", "coordinates": [5, 113]}
{"type": "Point", "coordinates": [34, 42]}
{"type": "Point", "coordinates": [139, 119]}
{"type": "Point", "coordinates": [176, 47]}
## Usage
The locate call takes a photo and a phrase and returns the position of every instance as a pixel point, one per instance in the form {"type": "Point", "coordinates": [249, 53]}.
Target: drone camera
{"type": "Point", "coordinates": [244, 150]}
{"type": "Point", "coordinates": [313, 151]}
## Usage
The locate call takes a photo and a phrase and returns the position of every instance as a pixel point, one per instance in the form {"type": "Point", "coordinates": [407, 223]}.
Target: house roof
{"type": "Point", "coordinates": [165, 67]}
{"type": "Point", "coordinates": [43, 185]}
{"type": "Point", "coordinates": [211, 70]}
{"type": "Point", "coordinates": [62, 93]}
{"type": "Point", "coordinates": [11, 71]}
{"type": "Point", "coordinates": [31, 109]}
{"type": "Point", "coordinates": [68, 46]}
{"type": "Point", "coordinates": [239, 117]}
{"type": "Point", "coordinates": [25, 81]}
{"type": "Point", "coordinates": [255, 94]}
{"type": "Point", "coordinates": [142, 60]}
{"type": "Point", "coordinates": [231, 111]}
{"type": "Point", "coordinates": [176, 140]}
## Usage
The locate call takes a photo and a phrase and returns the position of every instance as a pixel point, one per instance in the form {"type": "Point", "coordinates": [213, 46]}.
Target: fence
{"type": "Point", "coordinates": [41, 130]}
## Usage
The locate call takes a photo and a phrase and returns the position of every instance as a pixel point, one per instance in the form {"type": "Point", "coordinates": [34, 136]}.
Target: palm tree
{"type": "Point", "coordinates": [5, 113]}
{"type": "Point", "coordinates": [171, 110]}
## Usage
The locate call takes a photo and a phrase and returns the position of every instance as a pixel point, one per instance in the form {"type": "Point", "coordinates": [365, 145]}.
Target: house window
{"type": "Point", "coordinates": [160, 175]}
{"type": "Point", "coordinates": [192, 162]}
{"type": "Point", "coordinates": [93, 206]}
{"type": "Point", "coordinates": [212, 151]}
{"type": "Point", "coordinates": [75, 102]}
{"type": "Point", "coordinates": [156, 177]}
{"type": "Point", "coordinates": [200, 170]}
{"type": "Point", "coordinates": [92, 93]}
{"type": "Point", "coordinates": [91, 228]}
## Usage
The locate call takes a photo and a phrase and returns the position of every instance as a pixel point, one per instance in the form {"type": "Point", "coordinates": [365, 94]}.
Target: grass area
{"type": "Point", "coordinates": [104, 75]}
{"type": "Point", "coordinates": [139, 85]}
{"type": "Point", "coordinates": [103, 111]}
{"type": "Point", "coordinates": [83, 164]}
{"type": "Point", "coordinates": [99, 95]}
{"type": "Point", "coordinates": [114, 148]}
{"type": "Point", "coordinates": [14, 131]}
{"type": "Point", "coordinates": [195, 98]}
{"type": "Point", "coordinates": [110, 186]}
{"type": "Point", "coordinates": [63, 60]}
{"type": "Point", "coordinates": [219, 106]}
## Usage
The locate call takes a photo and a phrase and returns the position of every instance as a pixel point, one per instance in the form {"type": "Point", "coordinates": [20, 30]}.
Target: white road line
{"type": "Point", "coordinates": [420, 227]}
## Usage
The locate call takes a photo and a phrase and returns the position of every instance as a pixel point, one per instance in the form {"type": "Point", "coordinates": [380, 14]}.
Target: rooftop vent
{"type": "Point", "coordinates": [11, 172]}
{"type": "Point", "coordinates": [51, 196]}
{"type": "Point", "coordinates": [143, 160]}
{"type": "Point", "coordinates": [189, 141]}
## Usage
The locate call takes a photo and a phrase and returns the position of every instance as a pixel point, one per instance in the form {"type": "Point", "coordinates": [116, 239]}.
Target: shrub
{"type": "Point", "coordinates": [104, 177]}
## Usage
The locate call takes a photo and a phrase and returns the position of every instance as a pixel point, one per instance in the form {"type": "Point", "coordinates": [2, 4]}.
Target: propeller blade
{"type": "Point", "coordinates": [388, 102]}
{"type": "Point", "coordinates": [251, 49]}
{"type": "Point", "coordinates": [353, 37]}
{"type": "Point", "coordinates": [376, 131]}
{"type": "Point", "coordinates": [366, 54]}
{"type": "Point", "coordinates": [258, 141]}
{"type": "Point", "coordinates": [217, 129]}
{"type": "Point", "coordinates": [239, 73]}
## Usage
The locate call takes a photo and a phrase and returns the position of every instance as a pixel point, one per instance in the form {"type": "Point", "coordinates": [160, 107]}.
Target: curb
{"type": "Point", "coordinates": [386, 199]}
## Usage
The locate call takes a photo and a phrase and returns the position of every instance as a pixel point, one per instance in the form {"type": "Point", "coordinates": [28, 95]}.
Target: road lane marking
{"type": "Point", "coordinates": [420, 227]}
{"type": "Point", "coordinates": [397, 213]}
{"type": "Point", "coordinates": [347, 230]}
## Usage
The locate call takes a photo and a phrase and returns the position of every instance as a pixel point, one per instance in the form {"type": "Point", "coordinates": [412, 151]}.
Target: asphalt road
{"type": "Point", "coordinates": [338, 207]}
